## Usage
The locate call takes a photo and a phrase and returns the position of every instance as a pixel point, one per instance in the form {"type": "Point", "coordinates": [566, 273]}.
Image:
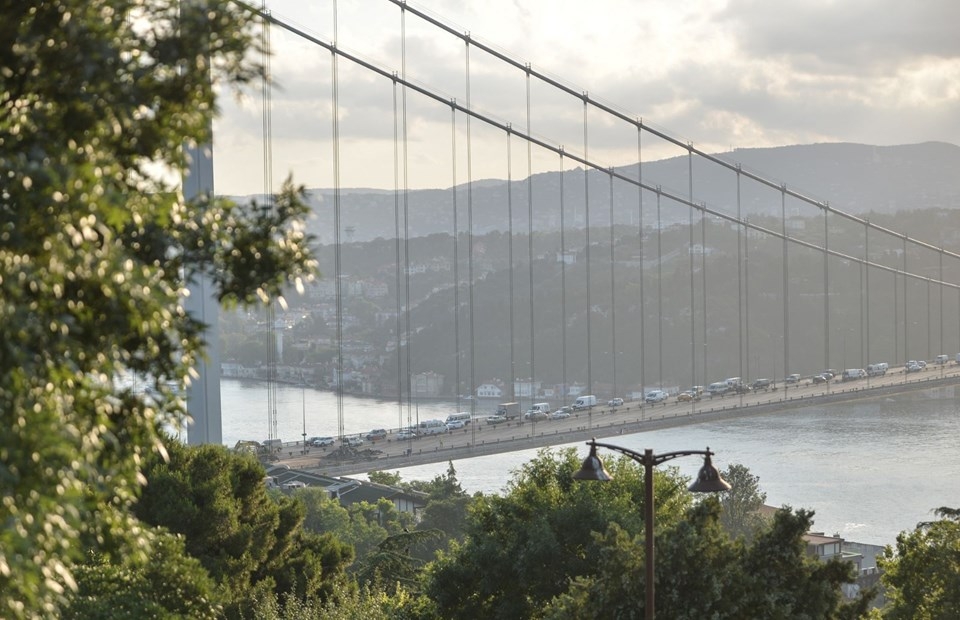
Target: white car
{"type": "Point", "coordinates": [353, 442]}
{"type": "Point", "coordinates": [406, 433]}
{"type": "Point", "coordinates": [322, 442]}
{"type": "Point", "coordinates": [615, 402]}
{"type": "Point", "coordinates": [455, 424]}
{"type": "Point", "coordinates": [560, 414]}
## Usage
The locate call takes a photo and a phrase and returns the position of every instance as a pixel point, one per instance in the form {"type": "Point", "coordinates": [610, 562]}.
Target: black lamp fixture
{"type": "Point", "coordinates": [708, 481]}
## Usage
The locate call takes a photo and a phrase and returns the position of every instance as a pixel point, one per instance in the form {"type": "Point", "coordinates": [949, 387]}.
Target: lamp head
{"type": "Point", "coordinates": [709, 480]}
{"type": "Point", "coordinates": [592, 468]}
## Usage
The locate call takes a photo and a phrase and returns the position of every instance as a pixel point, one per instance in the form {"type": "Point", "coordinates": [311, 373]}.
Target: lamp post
{"type": "Point", "coordinates": [708, 481]}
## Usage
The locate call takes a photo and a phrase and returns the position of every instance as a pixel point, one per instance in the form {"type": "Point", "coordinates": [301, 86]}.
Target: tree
{"type": "Point", "coordinates": [250, 542]}
{"type": "Point", "coordinates": [522, 549]}
{"type": "Point", "coordinates": [362, 525]}
{"type": "Point", "coordinates": [702, 573]}
{"type": "Point", "coordinates": [446, 512]}
{"type": "Point", "coordinates": [96, 248]}
{"type": "Point", "coordinates": [345, 604]}
{"type": "Point", "coordinates": [169, 584]}
{"type": "Point", "coordinates": [740, 514]}
{"type": "Point", "coordinates": [922, 575]}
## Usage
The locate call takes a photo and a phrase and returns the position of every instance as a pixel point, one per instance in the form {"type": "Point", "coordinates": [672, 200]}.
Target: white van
{"type": "Point", "coordinates": [463, 416]}
{"type": "Point", "coordinates": [272, 445]}
{"type": "Point", "coordinates": [585, 402]}
{"type": "Point", "coordinates": [717, 389]}
{"type": "Point", "coordinates": [431, 427]}
{"type": "Point", "coordinates": [655, 396]}
{"type": "Point", "coordinates": [877, 370]}
{"type": "Point", "coordinates": [537, 410]}
{"type": "Point", "coordinates": [852, 374]}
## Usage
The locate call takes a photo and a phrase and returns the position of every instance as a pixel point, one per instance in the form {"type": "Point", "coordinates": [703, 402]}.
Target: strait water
{"type": "Point", "coordinates": [869, 469]}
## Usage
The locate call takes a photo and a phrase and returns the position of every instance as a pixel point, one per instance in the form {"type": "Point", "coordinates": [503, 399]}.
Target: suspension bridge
{"type": "Point", "coordinates": [576, 259]}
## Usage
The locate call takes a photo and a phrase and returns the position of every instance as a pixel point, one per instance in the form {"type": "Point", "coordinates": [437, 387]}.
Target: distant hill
{"type": "Point", "coordinates": [856, 178]}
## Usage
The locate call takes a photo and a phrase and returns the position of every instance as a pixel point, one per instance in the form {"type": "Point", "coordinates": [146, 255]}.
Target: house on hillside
{"type": "Point", "coordinates": [526, 388]}
{"type": "Point", "coordinates": [492, 389]}
{"type": "Point", "coordinates": [427, 384]}
{"type": "Point", "coordinates": [347, 490]}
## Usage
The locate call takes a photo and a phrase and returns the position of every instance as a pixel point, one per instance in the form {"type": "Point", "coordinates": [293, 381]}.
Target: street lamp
{"type": "Point", "coordinates": [708, 481]}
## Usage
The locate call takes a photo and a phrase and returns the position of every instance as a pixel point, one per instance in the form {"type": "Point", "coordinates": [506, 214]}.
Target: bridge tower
{"type": "Point", "coordinates": [203, 393]}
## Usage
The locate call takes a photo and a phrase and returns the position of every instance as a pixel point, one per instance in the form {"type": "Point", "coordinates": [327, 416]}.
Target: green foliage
{"type": "Point", "coordinates": [250, 542]}
{"type": "Point", "coordinates": [344, 604]}
{"type": "Point", "coordinates": [392, 565]}
{"type": "Point", "coordinates": [922, 575]}
{"type": "Point", "coordinates": [522, 549]}
{"type": "Point", "coordinates": [96, 247]}
{"type": "Point", "coordinates": [362, 525]}
{"type": "Point", "coordinates": [385, 478]}
{"type": "Point", "coordinates": [168, 584]}
{"type": "Point", "coordinates": [702, 573]}
{"type": "Point", "coordinates": [740, 515]}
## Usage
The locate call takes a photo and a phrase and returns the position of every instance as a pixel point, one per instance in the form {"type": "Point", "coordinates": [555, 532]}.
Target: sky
{"type": "Point", "coordinates": [718, 74]}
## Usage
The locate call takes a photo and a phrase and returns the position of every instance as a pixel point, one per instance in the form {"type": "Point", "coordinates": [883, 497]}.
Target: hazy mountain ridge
{"type": "Point", "coordinates": [856, 178]}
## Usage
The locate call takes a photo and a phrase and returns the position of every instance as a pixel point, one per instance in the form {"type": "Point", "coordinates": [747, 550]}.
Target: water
{"type": "Point", "coordinates": [869, 469]}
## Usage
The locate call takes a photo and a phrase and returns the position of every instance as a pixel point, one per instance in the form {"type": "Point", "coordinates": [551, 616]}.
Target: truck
{"type": "Point", "coordinates": [508, 411]}
{"type": "Point", "coordinates": [585, 402]}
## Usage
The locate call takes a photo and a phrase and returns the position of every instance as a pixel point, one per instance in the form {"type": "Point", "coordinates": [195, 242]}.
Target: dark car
{"type": "Point", "coordinates": [377, 434]}
{"type": "Point", "coordinates": [761, 384]}
{"type": "Point", "coordinates": [821, 378]}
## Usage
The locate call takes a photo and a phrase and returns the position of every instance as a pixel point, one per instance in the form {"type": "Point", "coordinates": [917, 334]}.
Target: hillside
{"type": "Point", "coordinates": [855, 178]}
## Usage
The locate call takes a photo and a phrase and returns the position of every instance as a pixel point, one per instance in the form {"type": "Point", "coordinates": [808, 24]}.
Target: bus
{"type": "Point", "coordinates": [463, 416]}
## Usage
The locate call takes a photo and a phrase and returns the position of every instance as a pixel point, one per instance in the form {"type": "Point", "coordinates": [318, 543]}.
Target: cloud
{"type": "Point", "coordinates": [854, 37]}
{"type": "Point", "coordinates": [719, 73]}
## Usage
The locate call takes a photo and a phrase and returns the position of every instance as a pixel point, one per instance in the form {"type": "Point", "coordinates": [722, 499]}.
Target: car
{"type": "Point", "coordinates": [913, 367]}
{"type": "Point", "coordinates": [830, 373]}
{"type": "Point", "coordinates": [685, 397]}
{"type": "Point", "coordinates": [615, 402]}
{"type": "Point", "coordinates": [322, 442]}
{"type": "Point", "coordinates": [655, 396]}
{"type": "Point", "coordinates": [377, 434]}
{"type": "Point", "coordinates": [821, 378]}
{"type": "Point", "coordinates": [453, 425]}
{"type": "Point", "coordinates": [560, 414]}
{"type": "Point", "coordinates": [536, 415]}
{"type": "Point", "coordinates": [497, 419]}
{"type": "Point", "coordinates": [761, 384]}
{"type": "Point", "coordinates": [792, 379]}
{"type": "Point", "coordinates": [353, 442]}
{"type": "Point", "coordinates": [406, 433]}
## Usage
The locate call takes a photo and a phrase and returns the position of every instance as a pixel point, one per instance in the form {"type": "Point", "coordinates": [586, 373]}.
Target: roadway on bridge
{"type": "Point", "coordinates": [479, 438]}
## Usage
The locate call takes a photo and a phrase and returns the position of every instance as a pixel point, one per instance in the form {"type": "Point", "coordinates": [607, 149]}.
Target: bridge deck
{"type": "Point", "coordinates": [483, 440]}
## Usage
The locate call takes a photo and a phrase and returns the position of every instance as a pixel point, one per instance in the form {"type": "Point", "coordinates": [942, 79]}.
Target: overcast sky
{"type": "Point", "coordinates": [720, 74]}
